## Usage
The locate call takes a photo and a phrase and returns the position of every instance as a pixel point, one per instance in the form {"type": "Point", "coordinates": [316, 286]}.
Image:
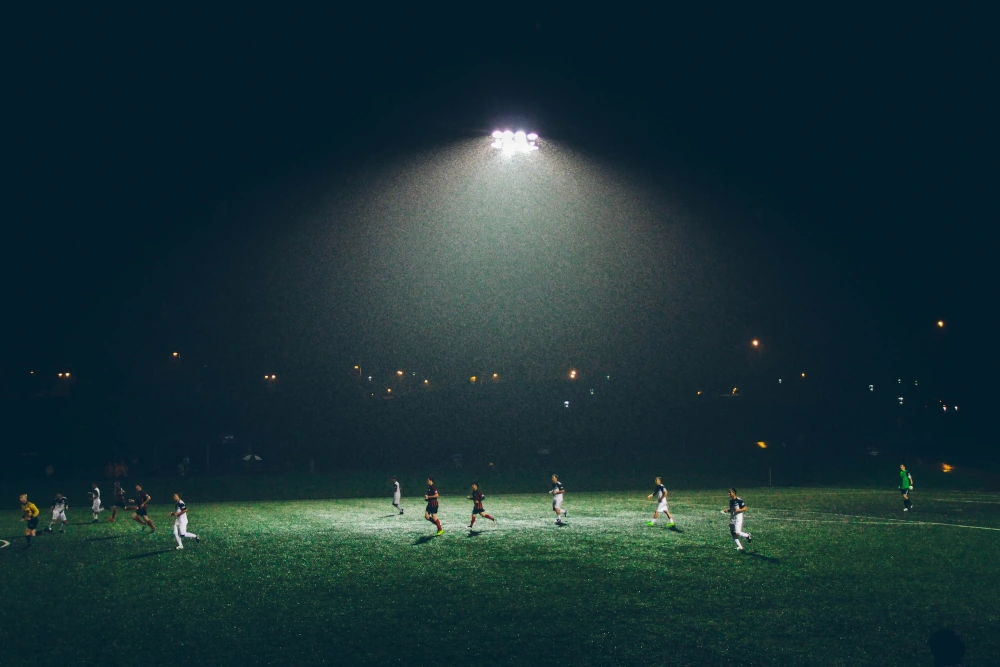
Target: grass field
{"type": "Point", "coordinates": [834, 576]}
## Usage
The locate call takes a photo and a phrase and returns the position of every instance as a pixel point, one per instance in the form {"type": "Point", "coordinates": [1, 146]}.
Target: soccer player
{"type": "Point", "coordinates": [180, 515]}
{"type": "Point", "coordinates": [29, 513]}
{"type": "Point", "coordinates": [736, 509]}
{"type": "Point", "coordinates": [95, 497]}
{"type": "Point", "coordinates": [557, 499]}
{"type": "Point", "coordinates": [59, 505]}
{"type": "Point", "coordinates": [119, 500]}
{"type": "Point", "coordinates": [141, 514]}
{"type": "Point", "coordinates": [396, 494]}
{"type": "Point", "coordinates": [660, 492]}
{"type": "Point", "coordinates": [905, 485]}
{"type": "Point", "coordinates": [431, 511]}
{"type": "Point", "coordinates": [477, 499]}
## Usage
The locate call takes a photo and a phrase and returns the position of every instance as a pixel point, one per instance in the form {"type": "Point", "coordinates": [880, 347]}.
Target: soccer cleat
{"type": "Point", "coordinates": [650, 523]}
{"type": "Point", "coordinates": [671, 525]}
{"type": "Point", "coordinates": [906, 509]}
{"type": "Point", "coordinates": [95, 521]}
{"type": "Point", "coordinates": [401, 512]}
{"type": "Point", "coordinates": [49, 529]}
{"type": "Point", "coordinates": [178, 547]}
{"type": "Point", "coordinates": [197, 539]}
{"type": "Point", "coordinates": [749, 538]}
{"type": "Point", "coordinates": [440, 532]}
{"type": "Point", "coordinates": [566, 513]}
{"type": "Point", "coordinates": [739, 548]}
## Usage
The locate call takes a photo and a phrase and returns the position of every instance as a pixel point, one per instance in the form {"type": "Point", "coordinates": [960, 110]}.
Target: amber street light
{"type": "Point", "coordinates": [755, 342]}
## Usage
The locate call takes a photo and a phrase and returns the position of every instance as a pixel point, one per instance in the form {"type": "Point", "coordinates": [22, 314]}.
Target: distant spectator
{"type": "Point", "coordinates": [947, 647]}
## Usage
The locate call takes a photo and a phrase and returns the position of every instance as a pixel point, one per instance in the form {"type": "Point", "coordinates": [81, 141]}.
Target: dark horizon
{"type": "Point", "coordinates": [820, 183]}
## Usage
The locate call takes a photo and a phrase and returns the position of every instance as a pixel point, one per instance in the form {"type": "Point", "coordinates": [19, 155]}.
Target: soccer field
{"type": "Point", "coordinates": [833, 576]}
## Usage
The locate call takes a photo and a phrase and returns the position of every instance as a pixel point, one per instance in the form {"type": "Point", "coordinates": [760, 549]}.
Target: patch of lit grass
{"type": "Point", "coordinates": [833, 576]}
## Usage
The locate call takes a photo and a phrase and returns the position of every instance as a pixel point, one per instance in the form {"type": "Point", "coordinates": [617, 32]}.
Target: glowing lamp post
{"type": "Point", "coordinates": [509, 143]}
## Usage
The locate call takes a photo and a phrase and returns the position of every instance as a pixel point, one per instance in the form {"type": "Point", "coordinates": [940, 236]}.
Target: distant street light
{"type": "Point", "coordinates": [572, 374]}
{"type": "Point", "coordinates": [940, 324]}
{"type": "Point", "coordinates": [755, 343]}
{"type": "Point", "coordinates": [271, 378]}
{"type": "Point", "coordinates": [176, 355]}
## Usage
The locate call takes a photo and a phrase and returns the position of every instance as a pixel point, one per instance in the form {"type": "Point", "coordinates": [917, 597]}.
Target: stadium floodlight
{"type": "Point", "coordinates": [508, 141]}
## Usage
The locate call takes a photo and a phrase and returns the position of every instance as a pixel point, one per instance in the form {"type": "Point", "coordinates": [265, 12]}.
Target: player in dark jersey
{"type": "Point", "coordinates": [29, 513]}
{"type": "Point", "coordinates": [59, 506]}
{"type": "Point", "coordinates": [736, 510]}
{"type": "Point", "coordinates": [119, 500]}
{"type": "Point", "coordinates": [431, 511]}
{"type": "Point", "coordinates": [557, 499]}
{"type": "Point", "coordinates": [141, 514]}
{"type": "Point", "coordinates": [477, 499]}
{"type": "Point", "coordinates": [660, 493]}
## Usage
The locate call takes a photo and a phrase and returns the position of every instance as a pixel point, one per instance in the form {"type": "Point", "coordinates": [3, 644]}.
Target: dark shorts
{"type": "Point", "coordinates": [431, 509]}
{"type": "Point", "coordinates": [33, 523]}
{"type": "Point", "coordinates": [141, 511]}
{"type": "Point", "coordinates": [120, 503]}
{"type": "Point", "coordinates": [904, 491]}
{"type": "Point", "coordinates": [478, 510]}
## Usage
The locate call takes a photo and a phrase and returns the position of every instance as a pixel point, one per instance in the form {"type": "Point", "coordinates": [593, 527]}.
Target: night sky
{"type": "Point", "coordinates": [306, 192]}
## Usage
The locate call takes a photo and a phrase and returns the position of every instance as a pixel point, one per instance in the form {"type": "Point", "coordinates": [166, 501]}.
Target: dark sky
{"type": "Point", "coordinates": [181, 179]}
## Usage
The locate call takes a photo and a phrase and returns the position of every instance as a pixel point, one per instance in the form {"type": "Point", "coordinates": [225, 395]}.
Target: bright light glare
{"type": "Point", "coordinates": [514, 142]}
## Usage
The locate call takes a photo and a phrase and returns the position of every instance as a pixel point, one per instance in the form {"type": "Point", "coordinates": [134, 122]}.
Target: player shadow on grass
{"type": "Point", "coordinates": [768, 559]}
{"type": "Point", "coordinates": [475, 533]}
{"type": "Point", "coordinates": [106, 537]}
{"type": "Point", "coordinates": [424, 539]}
{"type": "Point", "coordinates": [151, 553]}
{"type": "Point", "coordinates": [388, 516]}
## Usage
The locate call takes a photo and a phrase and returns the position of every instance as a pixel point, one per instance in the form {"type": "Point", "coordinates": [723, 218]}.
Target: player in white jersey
{"type": "Point", "coordinates": [557, 499]}
{"type": "Point", "coordinates": [181, 521]}
{"type": "Point", "coordinates": [59, 506]}
{"type": "Point", "coordinates": [660, 492]}
{"type": "Point", "coordinates": [396, 494]}
{"type": "Point", "coordinates": [95, 496]}
{"type": "Point", "coordinates": [736, 510]}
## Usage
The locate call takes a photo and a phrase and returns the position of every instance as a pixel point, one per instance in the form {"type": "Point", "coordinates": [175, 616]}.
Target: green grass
{"type": "Point", "coordinates": [834, 576]}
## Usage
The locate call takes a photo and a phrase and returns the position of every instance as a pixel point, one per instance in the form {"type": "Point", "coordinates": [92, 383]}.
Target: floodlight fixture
{"type": "Point", "coordinates": [509, 142]}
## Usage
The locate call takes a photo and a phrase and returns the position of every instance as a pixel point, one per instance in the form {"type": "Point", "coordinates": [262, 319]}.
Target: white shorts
{"type": "Point", "coordinates": [97, 504]}
{"type": "Point", "coordinates": [181, 524]}
{"type": "Point", "coordinates": [736, 523]}
{"type": "Point", "coordinates": [395, 500]}
{"type": "Point", "coordinates": [59, 516]}
{"type": "Point", "coordinates": [662, 506]}
{"type": "Point", "coordinates": [557, 501]}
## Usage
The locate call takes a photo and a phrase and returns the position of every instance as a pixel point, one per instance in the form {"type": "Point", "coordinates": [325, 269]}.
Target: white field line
{"type": "Point", "coordinates": [872, 520]}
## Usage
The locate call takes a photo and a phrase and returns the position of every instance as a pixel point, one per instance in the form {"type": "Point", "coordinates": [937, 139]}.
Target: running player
{"type": "Point", "coordinates": [95, 497]}
{"type": "Point", "coordinates": [477, 499]}
{"type": "Point", "coordinates": [141, 514]}
{"type": "Point", "coordinates": [29, 513]}
{"type": "Point", "coordinates": [59, 505]}
{"type": "Point", "coordinates": [180, 515]}
{"type": "Point", "coordinates": [431, 511]}
{"type": "Point", "coordinates": [396, 494]}
{"type": "Point", "coordinates": [557, 499]}
{"type": "Point", "coordinates": [660, 492]}
{"type": "Point", "coordinates": [736, 510]}
{"type": "Point", "coordinates": [905, 485]}
{"type": "Point", "coordinates": [119, 500]}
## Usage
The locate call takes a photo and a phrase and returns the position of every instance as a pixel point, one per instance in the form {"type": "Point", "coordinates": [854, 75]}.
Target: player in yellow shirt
{"type": "Point", "coordinates": [30, 514]}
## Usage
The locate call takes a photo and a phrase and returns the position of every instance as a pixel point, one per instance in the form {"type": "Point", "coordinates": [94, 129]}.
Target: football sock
{"type": "Point", "coordinates": [489, 517]}
{"type": "Point", "coordinates": [28, 538]}
{"type": "Point", "coordinates": [473, 522]}
{"type": "Point", "coordinates": [438, 523]}
{"type": "Point", "coordinates": [738, 545]}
